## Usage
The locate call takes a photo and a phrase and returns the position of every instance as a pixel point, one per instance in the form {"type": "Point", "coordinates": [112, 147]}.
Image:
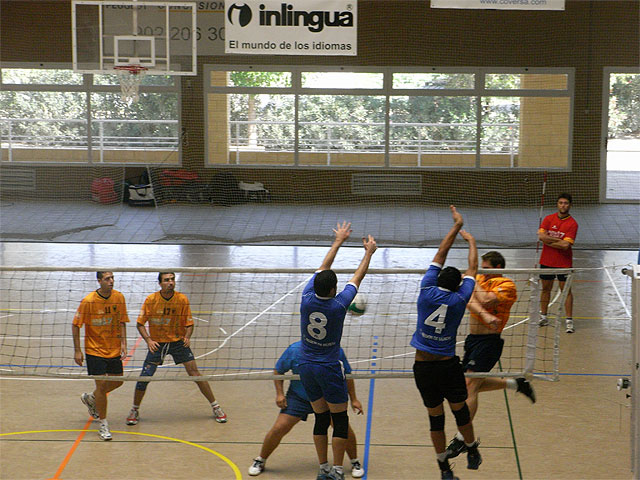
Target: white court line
{"type": "Point", "coordinates": [6, 316]}
{"type": "Point", "coordinates": [617, 291]}
{"type": "Point", "coordinates": [201, 319]}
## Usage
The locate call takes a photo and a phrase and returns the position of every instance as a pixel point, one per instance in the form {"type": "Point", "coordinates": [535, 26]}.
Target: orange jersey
{"type": "Point", "coordinates": [102, 318]}
{"type": "Point", "coordinates": [505, 291]}
{"type": "Point", "coordinates": [167, 319]}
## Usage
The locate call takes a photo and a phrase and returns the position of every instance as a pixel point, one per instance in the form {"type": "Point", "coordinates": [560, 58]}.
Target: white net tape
{"type": "Point", "coordinates": [130, 78]}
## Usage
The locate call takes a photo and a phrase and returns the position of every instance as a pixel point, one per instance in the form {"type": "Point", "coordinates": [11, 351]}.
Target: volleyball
{"type": "Point", "coordinates": [359, 305]}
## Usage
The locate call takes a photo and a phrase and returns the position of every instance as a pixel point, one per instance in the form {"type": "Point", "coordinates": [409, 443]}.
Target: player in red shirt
{"type": "Point", "coordinates": [557, 233]}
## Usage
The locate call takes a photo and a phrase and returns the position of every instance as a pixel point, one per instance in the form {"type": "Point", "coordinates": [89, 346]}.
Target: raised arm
{"type": "Point", "coordinates": [472, 270]}
{"type": "Point", "coordinates": [447, 241]}
{"type": "Point", "coordinates": [370, 247]}
{"type": "Point", "coordinates": [342, 233]}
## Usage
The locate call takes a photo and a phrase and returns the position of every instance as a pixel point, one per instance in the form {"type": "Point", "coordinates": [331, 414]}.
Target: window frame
{"type": "Point", "coordinates": [478, 91]}
{"type": "Point", "coordinates": [94, 153]}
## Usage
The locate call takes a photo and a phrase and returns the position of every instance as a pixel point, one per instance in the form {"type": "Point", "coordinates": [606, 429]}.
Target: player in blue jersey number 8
{"type": "Point", "coordinates": [322, 313]}
{"type": "Point", "coordinates": [438, 373]}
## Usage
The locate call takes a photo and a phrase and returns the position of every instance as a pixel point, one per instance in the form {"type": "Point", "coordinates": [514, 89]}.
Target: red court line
{"type": "Point", "coordinates": [66, 459]}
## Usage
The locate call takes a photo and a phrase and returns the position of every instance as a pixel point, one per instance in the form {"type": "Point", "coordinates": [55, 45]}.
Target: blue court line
{"type": "Point", "coordinates": [367, 438]}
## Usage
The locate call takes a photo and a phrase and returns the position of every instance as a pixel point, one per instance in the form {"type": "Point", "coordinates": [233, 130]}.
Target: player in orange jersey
{"type": "Point", "coordinates": [170, 327]}
{"type": "Point", "coordinates": [494, 294]}
{"type": "Point", "coordinates": [103, 314]}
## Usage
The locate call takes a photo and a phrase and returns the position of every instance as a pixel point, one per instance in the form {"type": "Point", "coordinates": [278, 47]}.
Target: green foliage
{"type": "Point", "coordinates": [624, 105]}
{"type": "Point", "coordinates": [36, 104]}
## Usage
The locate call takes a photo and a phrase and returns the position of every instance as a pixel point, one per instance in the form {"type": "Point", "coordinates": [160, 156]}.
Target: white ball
{"type": "Point", "coordinates": [359, 305]}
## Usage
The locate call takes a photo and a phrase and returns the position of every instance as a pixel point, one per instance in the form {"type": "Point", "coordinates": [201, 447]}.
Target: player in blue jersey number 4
{"type": "Point", "coordinates": [322, 312]}
{"type": "Point", "coordinates": [438, 373]}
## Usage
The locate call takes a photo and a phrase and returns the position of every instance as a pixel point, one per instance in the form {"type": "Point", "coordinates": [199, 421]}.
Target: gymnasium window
{"type": "Point", "coordinates": [54, 115]}
{"type": "Point", "coordinates": [388, 117]}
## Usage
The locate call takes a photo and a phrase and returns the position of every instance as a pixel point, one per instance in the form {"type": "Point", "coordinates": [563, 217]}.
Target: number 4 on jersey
{"type": "Point", "coordinates": [437, 319]}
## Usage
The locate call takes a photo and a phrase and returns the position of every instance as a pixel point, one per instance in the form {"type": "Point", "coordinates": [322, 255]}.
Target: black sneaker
{"type": "Point", "coordinates": [474, 459]}
{"type": "Point", "coordinates": [455, 448]}
{"type": "Point", "coordinates": [526, 389]}
{"type": "Point", "coordinates": [448, 475]}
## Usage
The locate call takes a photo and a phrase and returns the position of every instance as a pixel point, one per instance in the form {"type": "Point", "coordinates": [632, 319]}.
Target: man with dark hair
{"type": "Point", "coordinates": [322, 313]}
{"type": "Point", "coordinates": [170, 327]}
{"type": "Point", "coordinates": [437, 370]}
{"type": "Point", "coordinates": [103, 314]}
{"type": "Point", "coordinates": [494, 294]}
{"type": "Point", "coordinates": [557, 233]}
{"type": "Point", "coordinates": [295, 406]}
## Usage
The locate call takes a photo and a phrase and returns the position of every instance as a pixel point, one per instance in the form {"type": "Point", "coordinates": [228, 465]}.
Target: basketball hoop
{"type": "Point", "coordinates": [130, 77]}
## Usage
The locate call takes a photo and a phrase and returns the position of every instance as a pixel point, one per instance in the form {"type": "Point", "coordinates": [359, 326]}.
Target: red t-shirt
{"type": "Point", "coordinates": [563, 228]}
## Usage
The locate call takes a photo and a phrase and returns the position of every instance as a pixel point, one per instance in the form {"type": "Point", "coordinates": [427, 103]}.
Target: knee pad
{"type": "Point", "coordinates": [462, 416]}
{"type": "Point", "coordinates": [148, 369]}
{"type": "Point", "coordinates": [436, 422]}
{"type": "Point", "coordinates": [323, 420]}
{"type": "Point", "coordinates": [340, 424]}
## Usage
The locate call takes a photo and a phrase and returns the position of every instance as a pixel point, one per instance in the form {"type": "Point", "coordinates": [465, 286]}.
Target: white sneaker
{"type": "Point", "coordinates": [219, 415]}
{"type": "Point", "coordinates": [356, 470]}
{"type": "Point", "coordinates": [90, 401]}
{"type": "Point", "coordinates": [569, 325]}
{"type": "Point", "coordinates": [257, 467]}
{"type": "Point", "coordinates": [104, 432]}
{"type": "Point", "coordinates": [543, 322]}
{"type": "Point", "coordinates": [133, 417]}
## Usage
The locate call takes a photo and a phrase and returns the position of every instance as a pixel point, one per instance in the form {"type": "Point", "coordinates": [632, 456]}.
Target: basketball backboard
{"type": "Point", "coordinates": [160, 36]}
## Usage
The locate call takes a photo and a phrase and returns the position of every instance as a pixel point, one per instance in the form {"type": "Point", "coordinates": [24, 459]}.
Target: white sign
{"type": "Point", "coordinates": [501, 4]}
{"type": "Point", "coordinates": [291, 27]}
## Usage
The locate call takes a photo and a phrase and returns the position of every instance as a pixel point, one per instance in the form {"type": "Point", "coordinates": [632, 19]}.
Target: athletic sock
{"type": "Point", "coordinates": [325, 467]}
{"type": "Point", "coordinates": [338, 468]}
{"type": "Point", "coordinates": [259, 458]}
{"type": "Point", "coordinates": [442, 456]}
{"type": "Point", "coordinates": [354, 460]}
{"type": "Point", "coordinates": [214, 404]}
{"type": "Point", "coordinates": [459, 437]}
{"type": "Point", "coordinates": [512, 384]}
{"type": "Point", "coordinates": [135, 407]}
{"type": "Point", "coordinates": [103, 421]}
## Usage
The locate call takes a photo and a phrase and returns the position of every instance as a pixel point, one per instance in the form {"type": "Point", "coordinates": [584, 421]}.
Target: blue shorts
{"type": "Point", "coordinates": [297, 406]}
{"type": "Point", "coordinates": [177, 350]}
{"type": "Point", "coordinates": [324, 380]}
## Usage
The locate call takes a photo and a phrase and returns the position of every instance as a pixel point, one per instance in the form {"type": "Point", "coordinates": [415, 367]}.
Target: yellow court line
{"type": "Point", "coordinates": [233, 466]}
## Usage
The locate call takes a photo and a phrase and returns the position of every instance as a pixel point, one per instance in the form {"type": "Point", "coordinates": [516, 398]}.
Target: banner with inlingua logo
{"type": "Point", "coordinates": [291, 27]}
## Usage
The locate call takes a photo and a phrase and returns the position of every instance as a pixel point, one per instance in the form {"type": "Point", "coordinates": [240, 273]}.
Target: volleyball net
{"type": "Point", "coordinates": [245, 319]}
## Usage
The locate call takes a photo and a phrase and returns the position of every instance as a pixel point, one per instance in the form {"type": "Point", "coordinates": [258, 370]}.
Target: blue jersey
{"type": "Point", "coordinates": [321, 322]}
{"type": "Point", "coordinates": [290, 359]}
{"type": "Point", "coordinates": [440, 312]}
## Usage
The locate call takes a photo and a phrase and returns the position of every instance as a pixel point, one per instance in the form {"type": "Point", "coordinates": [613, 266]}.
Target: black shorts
{"type": "Point", "coordinates": [482, 352]}
{"type": "Point", "coordinates": [100, 365]}
{"type": "Point", "coordinates": [439, 380]}
{"type": "Point", "coordinates": [562, 277]}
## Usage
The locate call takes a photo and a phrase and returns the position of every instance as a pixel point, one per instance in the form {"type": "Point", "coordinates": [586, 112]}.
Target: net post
{"type": "Point", "coordinates": [634, 273]}
{"type": "Point", "coordinates": [532, 332]}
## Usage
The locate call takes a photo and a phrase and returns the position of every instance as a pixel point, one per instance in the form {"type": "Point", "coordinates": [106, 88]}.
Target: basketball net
{"type": "Point", "coordinates": [130, 77]}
